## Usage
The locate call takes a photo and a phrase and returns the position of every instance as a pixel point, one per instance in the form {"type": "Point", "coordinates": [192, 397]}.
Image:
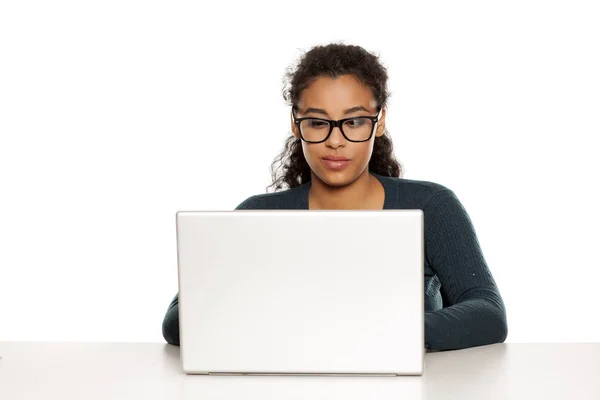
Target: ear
{"type": "Point", "coordinates": [295, 130]}
{"type": "Point", "coordinates": [381, 124]}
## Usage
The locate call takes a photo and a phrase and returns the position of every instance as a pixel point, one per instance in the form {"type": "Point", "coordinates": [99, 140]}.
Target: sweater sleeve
{"type": "Point", "coordinates": [474, 313]}
{"type": "Point", "coordinates": [170, 325]}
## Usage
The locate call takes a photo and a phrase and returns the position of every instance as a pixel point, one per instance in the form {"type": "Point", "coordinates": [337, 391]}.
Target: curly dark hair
{"type": "Point", "coordinates": [290, 169]}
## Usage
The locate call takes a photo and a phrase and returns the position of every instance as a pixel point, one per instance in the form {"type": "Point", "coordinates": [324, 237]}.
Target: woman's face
{"type": "Point", "coordinates": [331, 98]}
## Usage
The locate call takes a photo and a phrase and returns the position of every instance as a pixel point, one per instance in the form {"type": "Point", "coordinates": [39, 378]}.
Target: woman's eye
{"type": "Point", "coordinates": [356, 122]}
{"type": "Point", "coordinates": [317, 124]}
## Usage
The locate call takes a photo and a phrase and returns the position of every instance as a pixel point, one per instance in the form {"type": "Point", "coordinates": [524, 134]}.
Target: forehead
{"type": "Point", "coordinates": [336, 94]}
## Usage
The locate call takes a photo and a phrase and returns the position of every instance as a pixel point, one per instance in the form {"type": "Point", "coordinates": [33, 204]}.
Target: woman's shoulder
{"type": "Point", "coordinates": [284, 199]}
{"type": "Point", "coordinates": [414, 191]}
{"type": "Point", "coordinates": [413, 184]}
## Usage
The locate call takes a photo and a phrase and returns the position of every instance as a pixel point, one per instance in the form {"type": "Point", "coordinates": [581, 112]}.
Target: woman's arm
{"type": "Point", "coordinates": [170, 326]}
{"type": "Point", "coordinates": [474, 313]}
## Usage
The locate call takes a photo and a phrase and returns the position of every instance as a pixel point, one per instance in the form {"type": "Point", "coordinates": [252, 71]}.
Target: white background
{"type": "Point", "coordinates": [116, 114]}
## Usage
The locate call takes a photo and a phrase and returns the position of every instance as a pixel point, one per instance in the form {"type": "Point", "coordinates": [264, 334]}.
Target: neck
{"type": "Point", "coordinates": [360, 194]}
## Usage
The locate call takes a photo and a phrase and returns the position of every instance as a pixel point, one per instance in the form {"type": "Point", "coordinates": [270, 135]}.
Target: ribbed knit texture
{"type": "Point", "coordinates": [463, 306]}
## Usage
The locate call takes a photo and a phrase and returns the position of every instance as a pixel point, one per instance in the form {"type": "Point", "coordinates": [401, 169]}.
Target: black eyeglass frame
{"type": "Point", "coordinates": [338, 123]}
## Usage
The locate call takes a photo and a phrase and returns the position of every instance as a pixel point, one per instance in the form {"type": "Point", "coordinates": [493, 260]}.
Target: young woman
{"type": "Point", "coordinates": [340, 156]}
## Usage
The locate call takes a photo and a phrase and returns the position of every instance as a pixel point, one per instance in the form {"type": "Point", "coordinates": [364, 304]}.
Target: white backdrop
{"type": "Point", "coordinates": [116, 114]}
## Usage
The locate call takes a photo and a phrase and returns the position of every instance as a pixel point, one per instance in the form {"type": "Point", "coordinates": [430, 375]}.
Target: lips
{"type": "Point", "coordinates": [336, 163]}
{"type": "Point", "coordinates": [336, 158]}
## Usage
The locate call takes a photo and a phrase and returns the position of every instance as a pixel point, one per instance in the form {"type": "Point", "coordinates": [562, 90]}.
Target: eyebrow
{"type": "Point", "coordinates": [348, 111]}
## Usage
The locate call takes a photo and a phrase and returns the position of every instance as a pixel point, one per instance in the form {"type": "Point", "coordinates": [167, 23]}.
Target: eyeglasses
{"type": "Point", "coordinates": [354, 129]}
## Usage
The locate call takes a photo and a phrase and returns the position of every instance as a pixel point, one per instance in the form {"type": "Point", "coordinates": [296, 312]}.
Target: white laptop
{"type": "Point", "coordinates": [298, 292]}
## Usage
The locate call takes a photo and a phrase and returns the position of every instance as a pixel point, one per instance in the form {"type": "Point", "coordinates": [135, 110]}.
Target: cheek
{"type": "Point", "coordinates": [370, 150]}
{"type": "Point", "coordinates": [364, 151]}
{"type": "Point", "coordinates": [309, 151]}
{"type": "Point", "coordinates": [312, 154]}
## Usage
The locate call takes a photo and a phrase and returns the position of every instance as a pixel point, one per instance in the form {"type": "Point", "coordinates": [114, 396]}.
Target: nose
{"type": "Point", "coordinates": [336, 139]}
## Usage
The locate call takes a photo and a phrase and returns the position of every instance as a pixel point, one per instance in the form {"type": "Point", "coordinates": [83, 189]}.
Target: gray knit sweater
{"type": "Point", "coordinates": [463, 306]}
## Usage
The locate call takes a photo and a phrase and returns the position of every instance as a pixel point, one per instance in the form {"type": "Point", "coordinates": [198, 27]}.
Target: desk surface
{"type": "Point", "coordinates": [32, 370]}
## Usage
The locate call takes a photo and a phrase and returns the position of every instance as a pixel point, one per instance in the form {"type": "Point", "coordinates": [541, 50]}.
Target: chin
{"type": "Point", "coordinates": [337, 179]}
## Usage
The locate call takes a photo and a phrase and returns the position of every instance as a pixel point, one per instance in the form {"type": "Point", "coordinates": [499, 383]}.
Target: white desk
{"type": "Point", "coordinates": [152, 371]}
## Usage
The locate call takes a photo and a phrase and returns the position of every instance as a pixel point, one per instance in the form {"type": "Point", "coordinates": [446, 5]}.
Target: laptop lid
{"type": "Point", "coordinates": [301, 292]}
